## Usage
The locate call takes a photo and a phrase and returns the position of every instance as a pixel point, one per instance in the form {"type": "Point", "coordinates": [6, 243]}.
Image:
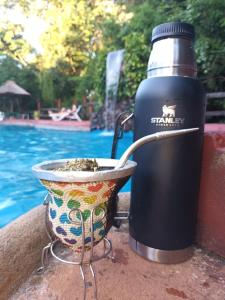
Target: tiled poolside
{"type": "Point", "coordinates": [49, 124]}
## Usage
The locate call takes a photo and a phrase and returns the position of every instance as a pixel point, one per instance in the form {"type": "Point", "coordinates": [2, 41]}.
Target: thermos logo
{"type": "Point", "coordinates": [168, 111]}
{"type": "Point", "coordinates": [168, 117]}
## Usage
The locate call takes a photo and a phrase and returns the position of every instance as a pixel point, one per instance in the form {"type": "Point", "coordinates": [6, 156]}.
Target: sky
{"type": "Point", "coordinates": [34, 26]}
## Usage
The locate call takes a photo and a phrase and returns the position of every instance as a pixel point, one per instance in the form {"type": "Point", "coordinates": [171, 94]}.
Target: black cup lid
{"type": "Point", "coordinates": [173, 29]}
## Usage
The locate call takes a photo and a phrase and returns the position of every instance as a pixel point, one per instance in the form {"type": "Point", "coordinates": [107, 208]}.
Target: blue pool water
{"type": "Point", "coordinates": [23, 147]}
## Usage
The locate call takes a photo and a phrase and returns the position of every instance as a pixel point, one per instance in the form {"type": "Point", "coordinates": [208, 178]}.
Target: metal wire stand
{"type": "Point", "coordinates": [85, 259]}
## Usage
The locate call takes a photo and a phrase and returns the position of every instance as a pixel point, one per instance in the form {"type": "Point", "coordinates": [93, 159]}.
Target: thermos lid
{"type": "Point", "coordinates": [173, 29]}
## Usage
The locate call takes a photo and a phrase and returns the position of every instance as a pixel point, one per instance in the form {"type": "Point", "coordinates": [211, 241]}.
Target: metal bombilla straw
{"type": "Point", "coordinates": [149, 138]}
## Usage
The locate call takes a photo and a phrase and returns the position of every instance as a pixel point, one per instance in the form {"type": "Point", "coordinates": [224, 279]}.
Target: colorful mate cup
{"type": "Point", "coordinates": [82, 205]}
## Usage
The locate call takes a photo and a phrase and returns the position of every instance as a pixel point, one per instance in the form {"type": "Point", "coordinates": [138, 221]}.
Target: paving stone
{"type": "Point", "coordinates": [131, 277]}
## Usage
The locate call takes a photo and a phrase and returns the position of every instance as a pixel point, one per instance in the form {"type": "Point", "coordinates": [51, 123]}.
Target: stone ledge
{"type": "Point", "coordinates": [20, 249]}
{"type": "Point", "coordinates": [130, 277]}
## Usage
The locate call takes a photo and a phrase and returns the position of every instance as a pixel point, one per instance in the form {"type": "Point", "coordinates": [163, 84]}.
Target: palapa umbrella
{"type": "Point", "coordinates": [11, 88]}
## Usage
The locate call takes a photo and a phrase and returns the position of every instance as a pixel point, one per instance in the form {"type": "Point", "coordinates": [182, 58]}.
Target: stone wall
{"type": "Point", "coordinates": [98, 118]}
{"type": "Point", "coordinates": [211, 213]}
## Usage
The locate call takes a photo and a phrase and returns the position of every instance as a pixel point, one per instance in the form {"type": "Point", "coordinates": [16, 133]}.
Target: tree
{"type": "Point", "coordinates": [136, 58]}
{"type": "Point", "coordinates": [25, 76]}
{"type": "Point", "coordinates": [12, 42]}
{"type": "Point", "coordinates": [80, 33]}
{"type": "Point", "coordinates": [208, 19]}
{"type": "Point", "coordinates": [47, 88]}
{"type": "Point", "coordinates": [207, 16]}
{"type": "Point", "coordinates": [74, 33]}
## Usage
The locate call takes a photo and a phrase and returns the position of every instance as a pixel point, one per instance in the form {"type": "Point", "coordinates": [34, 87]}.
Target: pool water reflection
{"type": "Point", "coordinates": [23, 147]}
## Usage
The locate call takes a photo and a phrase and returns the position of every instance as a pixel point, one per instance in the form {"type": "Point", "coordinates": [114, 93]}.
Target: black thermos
{"type": "Point", "coordinates": [165, 185]}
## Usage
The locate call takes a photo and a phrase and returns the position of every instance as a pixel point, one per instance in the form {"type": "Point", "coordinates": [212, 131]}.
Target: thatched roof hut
{"type": "Point", "coordinates": [10, 87]}
{"type": "Point", "coordinates": [11, 94]}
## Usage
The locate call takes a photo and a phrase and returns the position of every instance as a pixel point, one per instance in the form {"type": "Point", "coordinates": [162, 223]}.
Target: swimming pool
{"type": "Point", "coordinates": [23, 147]}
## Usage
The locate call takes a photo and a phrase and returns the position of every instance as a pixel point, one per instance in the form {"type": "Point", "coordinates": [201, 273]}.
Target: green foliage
{"type": "Point", "coordinates": [26, 77]}
{"type": "Point", "coordinates": [12, 42]}
{"type": "Point", "coordinates": [99, 78]}
{"type": "Point", "coordinates": [47, 88]}
{"type": "Point", "coordinates": [29, 80]}
{"type": "Point", "coordinates": [112, 34]}
{"type": "Point", "coordinates": [74, 32]}
{"type": "Point", "coordinates": [63, 84]}
{"type": "Point", "coordinates": [80, 33]}
{"type": "Point", "coordinates": [10, 69]}
{"type": "Point", "coordinates": [208, 19]}
{"type": "Point", "coordinates": [136, 56]}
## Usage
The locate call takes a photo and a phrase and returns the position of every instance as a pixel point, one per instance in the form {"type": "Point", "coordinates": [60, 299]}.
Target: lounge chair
{"type": "Point", "coordinates": [2, 115]}
{"type": "Point", "coordinates": [58, 116]}
{"type": "Point", "coordinates": [71, 114]}
{"type": "Point", "coordinates": [74, 115]}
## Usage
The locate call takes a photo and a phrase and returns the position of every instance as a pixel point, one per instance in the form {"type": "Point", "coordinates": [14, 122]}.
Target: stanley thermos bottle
{"type": "Point", "coordinates": [166, 182]}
